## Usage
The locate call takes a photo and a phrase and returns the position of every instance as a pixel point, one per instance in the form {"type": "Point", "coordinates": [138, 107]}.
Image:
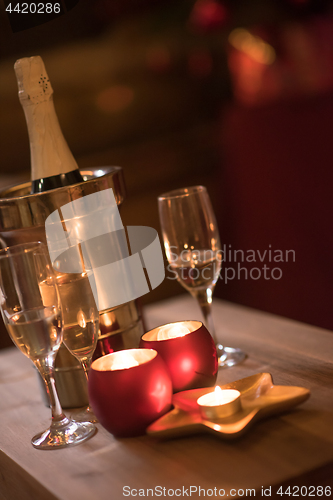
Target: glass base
{"type": "Point", "coordinates": [229, 356]}
{"type": "Point", "coordinates": [86, 415]}
{"type": "Point", "coordinates": [62, 434]}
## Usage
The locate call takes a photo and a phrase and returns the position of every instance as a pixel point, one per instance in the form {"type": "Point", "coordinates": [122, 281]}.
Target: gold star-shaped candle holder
{"type": "Point", "coordinates": [259, 398]}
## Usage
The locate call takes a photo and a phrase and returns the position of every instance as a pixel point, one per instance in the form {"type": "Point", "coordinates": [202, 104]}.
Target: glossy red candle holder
{"type": "Point", "coordinates": [189, 352]}
{"type": "Point", "coordinates": [128, 390]}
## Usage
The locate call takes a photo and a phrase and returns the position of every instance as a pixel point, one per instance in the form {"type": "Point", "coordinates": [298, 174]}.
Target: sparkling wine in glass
{"type": "Point", "coordinates": [193, 249]}
{"type": "Point", "coordinates": [36, 328]}
{"type": "Point", "coordinates": [80, 313]}
{"type": "Point", "coordinates": [81, 324]}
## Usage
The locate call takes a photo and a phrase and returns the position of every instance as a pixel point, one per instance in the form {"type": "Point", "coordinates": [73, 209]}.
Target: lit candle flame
{"type": "Point", "coordinates": [222, 397]}
{"type": "Point", "coordinates": [218, 397]}
{"type": "Point", "coordinates": [218, 394]}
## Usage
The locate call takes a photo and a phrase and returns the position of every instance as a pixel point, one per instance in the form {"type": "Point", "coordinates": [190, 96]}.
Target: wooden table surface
{"type": "Point", "coordinates": [294, 448]}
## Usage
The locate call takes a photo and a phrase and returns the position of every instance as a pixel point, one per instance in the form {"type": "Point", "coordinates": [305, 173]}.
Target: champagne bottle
{"type": "Point", "coordinates": [52, 163]}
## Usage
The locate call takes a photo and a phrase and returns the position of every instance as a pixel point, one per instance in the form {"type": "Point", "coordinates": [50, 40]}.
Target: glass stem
{"type": "Point", "coordinates": [204, 297]}
{"type": "Point", "coordinates": [46, 370]}
{"type": "Point", "coordinates": [85, 362]}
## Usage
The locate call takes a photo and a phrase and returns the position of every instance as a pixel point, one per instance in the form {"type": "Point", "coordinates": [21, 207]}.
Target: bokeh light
{"type": "Point", "coordinates": [115, 99]}
{"type": "Point", "coordinates": [253, 46]}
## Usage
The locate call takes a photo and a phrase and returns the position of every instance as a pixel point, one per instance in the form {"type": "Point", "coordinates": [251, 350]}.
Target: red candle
{"type": "Point", "coordinates": [128, 390]}
{"type": "Point", "coordinates": [189, 352]}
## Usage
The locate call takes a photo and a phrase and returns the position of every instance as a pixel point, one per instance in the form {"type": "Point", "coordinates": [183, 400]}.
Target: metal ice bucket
{"type": "Point", "coordinates": [22, 219]}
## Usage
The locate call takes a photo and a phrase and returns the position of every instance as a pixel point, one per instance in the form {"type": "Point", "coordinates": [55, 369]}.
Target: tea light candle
{"type": "Point", "coordinates": [220, 403]}
{"type": "Point", "coordinates": [189, 352]}
{"type": "Point", "coordinates": [128, 390]}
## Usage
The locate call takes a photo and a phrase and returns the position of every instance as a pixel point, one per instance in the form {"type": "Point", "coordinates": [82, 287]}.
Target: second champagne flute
{"type": "Point", "coordinates": [193, 249]}
{"type": "Point", "coordinates": [81, 323]}
{"type": "Point", "coordinates": [80, 313]}
{"type": "Point", "coordinates": [81, 316]}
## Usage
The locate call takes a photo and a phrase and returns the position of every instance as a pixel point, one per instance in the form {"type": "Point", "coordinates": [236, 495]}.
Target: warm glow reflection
{"type": "Point", "coordinates": [172, 330]}
{"type": "Point", "coordinates": [81, 319]}
{"type": "Point", "coordinates": [256, 48]}
{"type": "Point", "coordinates": [186, 365]}
{"type": "Point", "coordinates": [76, 229]}
{"type": "Point", "coordinates": [122, 360]}
{"type": "Point", "coordinates": [107, 320]}
{"type": "Point", "coordinates": [54, 334]}
{"type": "Point", "coordinates": [160, 393]}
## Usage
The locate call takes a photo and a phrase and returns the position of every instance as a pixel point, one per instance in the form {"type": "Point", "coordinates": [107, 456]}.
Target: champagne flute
{"type": "Point", "coordinates": [80, 313]}
{"type": "Point", "coordinates": [81, 324]}
{"type": "Point", "coordinates": [193, 249]}
{"type": "Point", "coordinates": [36, 328]}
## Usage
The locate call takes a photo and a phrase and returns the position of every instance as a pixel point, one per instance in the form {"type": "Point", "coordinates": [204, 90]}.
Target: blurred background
{"type": "Point", "coordinates": [236, 95]}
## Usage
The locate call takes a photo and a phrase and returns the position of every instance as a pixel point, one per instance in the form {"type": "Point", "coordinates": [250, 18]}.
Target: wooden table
{"type": "Point", "coordinates": [293, 448]}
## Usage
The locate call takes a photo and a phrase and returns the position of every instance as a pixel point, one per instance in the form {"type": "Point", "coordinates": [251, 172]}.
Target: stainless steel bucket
{"type": "Point", "coordinates": [22, 218]}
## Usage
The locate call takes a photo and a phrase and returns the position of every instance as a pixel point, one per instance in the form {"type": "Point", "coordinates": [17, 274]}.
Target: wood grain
{"type": "Point", "coordinates": [296, 446]}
